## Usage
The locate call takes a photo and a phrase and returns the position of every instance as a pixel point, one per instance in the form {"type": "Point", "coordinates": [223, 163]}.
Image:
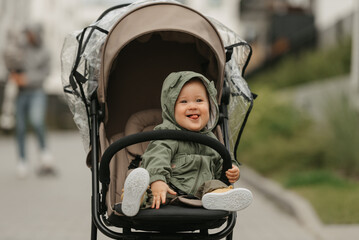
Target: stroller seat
{"type": "Point", "coordinates": [142, 121]}
{"type": "Point", "coordinates": [168, 218]}
{"type": "Point", "coordinates": [171, 218]}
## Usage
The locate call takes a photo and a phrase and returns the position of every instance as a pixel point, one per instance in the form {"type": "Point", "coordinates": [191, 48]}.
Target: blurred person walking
{"type": "Point", "coordinates": [28, 62]}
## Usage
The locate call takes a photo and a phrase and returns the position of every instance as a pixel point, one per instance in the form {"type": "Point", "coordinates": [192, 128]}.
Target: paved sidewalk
{"type": "Point", "coordinates": [54, 208]}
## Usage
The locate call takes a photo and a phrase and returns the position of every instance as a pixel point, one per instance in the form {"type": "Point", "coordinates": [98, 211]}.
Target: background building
{"type": "Point", "coordinates": [271, 26]}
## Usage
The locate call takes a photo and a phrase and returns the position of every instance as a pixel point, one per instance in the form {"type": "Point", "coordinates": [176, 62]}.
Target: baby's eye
{"type": "Point", "coordinates": [183, 101]}
{"type": "Point", "coordinates": [199, 100]}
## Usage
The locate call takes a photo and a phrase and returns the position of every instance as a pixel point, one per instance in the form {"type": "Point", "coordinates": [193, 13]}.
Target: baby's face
{"type": "Point", "coordinates": [192, 106]}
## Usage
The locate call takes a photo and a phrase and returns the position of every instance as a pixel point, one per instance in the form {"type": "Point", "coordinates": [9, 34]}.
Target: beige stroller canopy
{"type": "Point", "coordinates": [137, 51]}
{"type": "Point", "coordinates": [138, 24]}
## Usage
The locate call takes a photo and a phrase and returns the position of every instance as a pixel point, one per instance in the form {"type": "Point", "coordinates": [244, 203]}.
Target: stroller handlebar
{"type": "Point", "coordinates": [163, 135]}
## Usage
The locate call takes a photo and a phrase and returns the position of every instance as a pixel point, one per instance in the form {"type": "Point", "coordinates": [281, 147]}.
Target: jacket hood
{"type": "Point", "coordinates": [171, 88]}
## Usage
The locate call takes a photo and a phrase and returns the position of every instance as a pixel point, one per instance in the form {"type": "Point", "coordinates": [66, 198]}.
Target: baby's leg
{"type": "Point", "coordinates": [135, 187]}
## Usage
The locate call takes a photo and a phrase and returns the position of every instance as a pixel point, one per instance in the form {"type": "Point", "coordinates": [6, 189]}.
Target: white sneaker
{"type": "Point", "coordinates": [136, 185]}
{"type": "Point", "coordinates": [232, 200]}
{"type": "Point", "coordinates": [22, 169]}
{"type": "Point", "coordinates": [46, 164]}
{"type": "Point", "coordinates": [46, 159]}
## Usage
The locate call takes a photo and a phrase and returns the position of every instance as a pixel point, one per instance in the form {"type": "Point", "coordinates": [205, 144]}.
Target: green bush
{"type": "Point", "coordinates": [343, 126]}
{"type": "Point", "coordinates": [311, 65]}
{"type": "Point", "coordinates": [316, 177]}
{"type": "Point", "coordinates": [278, 138]}
{"type": "Point", "coordinates": [315, 160]}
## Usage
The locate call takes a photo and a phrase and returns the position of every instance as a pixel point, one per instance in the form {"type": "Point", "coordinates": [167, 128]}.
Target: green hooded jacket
{"type": "Point", "coordinates": [186, 165]}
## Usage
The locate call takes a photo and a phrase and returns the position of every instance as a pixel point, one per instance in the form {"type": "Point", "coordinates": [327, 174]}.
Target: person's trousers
{"type": "Point", "coordinates": [30, 106]}
{"type": "Point", "coordinates": [190, 200]}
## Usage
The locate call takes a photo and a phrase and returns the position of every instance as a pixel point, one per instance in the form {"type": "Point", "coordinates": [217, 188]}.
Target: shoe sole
{"type": "Point", "coordinates": [233, 200]}
{"type": "Point", "coordinates": [135, 186]}
{"type": "Point", "coordinates": [46, 171]}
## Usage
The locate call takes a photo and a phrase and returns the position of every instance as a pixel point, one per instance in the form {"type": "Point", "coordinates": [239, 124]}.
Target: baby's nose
{"type": "Point", "coordinates": [192, 105]}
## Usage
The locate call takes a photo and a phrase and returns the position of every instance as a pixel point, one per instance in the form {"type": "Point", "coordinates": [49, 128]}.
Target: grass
{"type": "Point", "coordinates": [334, 205]}
{"type": "Point", "coordinates": [334, 198]}
{"type": "Point", "coordinates": [321, 163]}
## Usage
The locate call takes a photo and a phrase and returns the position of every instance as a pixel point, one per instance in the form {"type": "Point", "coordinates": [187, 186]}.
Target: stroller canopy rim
{"type": "Point", "coordinates": [193, 23]}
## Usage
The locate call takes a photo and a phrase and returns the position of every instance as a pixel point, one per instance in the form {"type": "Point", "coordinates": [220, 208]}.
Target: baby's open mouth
{"type": "Point", "coordinates": [193, 116]}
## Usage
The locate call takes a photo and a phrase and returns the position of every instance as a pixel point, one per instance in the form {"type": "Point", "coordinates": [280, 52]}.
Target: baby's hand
{"type": "Point", "coordinates": [233, 174]}
{"type": "Point", "coordinates": [159, 190]}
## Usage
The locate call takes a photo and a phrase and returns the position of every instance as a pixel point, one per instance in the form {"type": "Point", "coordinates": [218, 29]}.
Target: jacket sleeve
{"type": "Point", "coordinates": [157, 159]}
{"type": "Point", "coordinates": [235, 163]}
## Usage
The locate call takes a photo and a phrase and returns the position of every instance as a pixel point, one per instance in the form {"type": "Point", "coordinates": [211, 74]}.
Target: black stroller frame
{"type": "Point", "coordinates": [100, 167]}
{"type": "Point", "coordinates": [102, 173]}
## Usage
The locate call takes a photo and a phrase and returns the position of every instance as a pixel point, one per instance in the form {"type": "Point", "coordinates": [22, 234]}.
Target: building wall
{"type": "Point", "coordinates": [224, 11]}
{"type": "Point", "coordinates": [58, 18]}
{"type": "Point", "coordinates": [65, 16]}
{"type": "Point", "coordinates": [13, 16]}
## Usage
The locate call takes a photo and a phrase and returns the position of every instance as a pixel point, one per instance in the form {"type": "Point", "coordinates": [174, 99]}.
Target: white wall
{"type": "Point", "coordinates": [65, 16]}
{"type": "Point", "coordinates": [327, 12]}
{"type": "Point", "coordinates": [59, 18]}
{"type": "Point", "coordinates": [225, 11]}
{"type": "Point", "coordinates": [13, 15]}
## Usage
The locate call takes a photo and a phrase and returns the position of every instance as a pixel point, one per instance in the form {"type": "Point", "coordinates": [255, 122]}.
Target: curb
{"type": "Point", "coordinates": [290, 202]}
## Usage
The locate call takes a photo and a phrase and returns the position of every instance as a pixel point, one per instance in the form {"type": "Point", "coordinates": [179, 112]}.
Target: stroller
{"type": "Point", "coordinates": [112, 73]}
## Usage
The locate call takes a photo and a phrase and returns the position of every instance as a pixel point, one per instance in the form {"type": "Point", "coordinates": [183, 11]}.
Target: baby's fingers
{"type": "Point", "coordinates": [156, 202]}
{"type": "Point", "coordinates": [170, 191]}
{"type": "Point", "coordinates": [232, 180]}
{"type": "Point", "coordinates": [232, 175]}
{"type": "Point", "coordinates": [163, 197]}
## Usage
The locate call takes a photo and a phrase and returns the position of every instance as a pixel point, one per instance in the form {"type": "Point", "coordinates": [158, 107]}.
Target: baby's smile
{"type": "Point", "coordinates": [193, 116]}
